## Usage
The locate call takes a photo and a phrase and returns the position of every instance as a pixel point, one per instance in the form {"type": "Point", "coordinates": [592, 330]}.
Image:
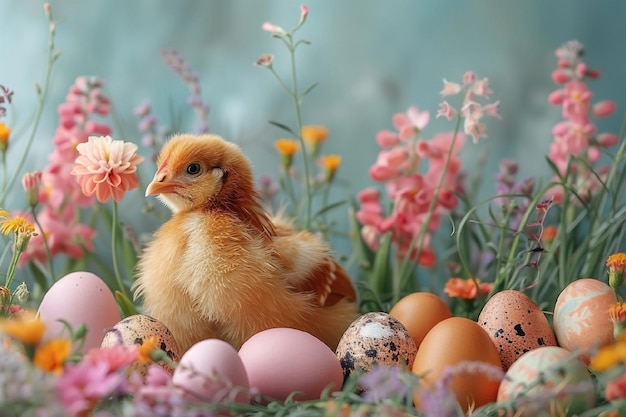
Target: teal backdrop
{"type": "Point", "coordinates": [371, 59]}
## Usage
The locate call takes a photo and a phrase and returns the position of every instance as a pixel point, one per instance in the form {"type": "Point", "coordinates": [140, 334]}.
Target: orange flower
{"type": "Point", "coordinates": [314, 135]}
{"type": "Point", "coordinates": [467, 289]}
{"type": "Point", "coordinates": [106, 167]}
{"type": "Point", "coordinates": [617, 266]}
{"type": "Point", "coordinates": [24, 327]}
{"type": "Point", "coordinates": [287, 148]}
{"type": "Point", "coordinates": [5, 132]}
{"type": "Point", "coordinates": [145, 349]}
{"type": "Point", "coordinates": [331, 164]}
{"type": "Point", "coordinates": [549, 233]}
{"type": "Point", "coordinates": [52, 355]}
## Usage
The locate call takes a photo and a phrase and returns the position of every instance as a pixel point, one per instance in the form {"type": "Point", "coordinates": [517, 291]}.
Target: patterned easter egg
{"type": "Point", "coordinates": [581, 317]}
{"type": "Point", "coordinates": [134, 330]}
{"type": "Point", "coordinates": [375, 339]}
{"type": "Point", "coordinates": [534, 374]}
{"type": "Point", "coordinates": [515, 325]}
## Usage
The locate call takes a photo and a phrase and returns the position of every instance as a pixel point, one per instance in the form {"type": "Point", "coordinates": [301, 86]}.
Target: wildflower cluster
{"type": "Point", "coordinates": [576, 144]}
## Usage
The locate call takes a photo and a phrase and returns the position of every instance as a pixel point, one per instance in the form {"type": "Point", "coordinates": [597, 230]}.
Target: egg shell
{"type": "Point", "coordinates": [581, 318]}
{"type": "Point", "coordinates": [515, 325]}
{"type": "Point", "coordinates": [419, 312]}
{"type": "Point", "coordinates": [79, 298]}
{"type": "Point", "coordinates": [134, 330]}
{"type": "Point", "coordinates": [536, 372]}
{"type": "Point", "coordinates": [209, 369]}
{"type": "Point", "coordinates": [281, 361]}
{"type": "Point", "coordinates": [375, 338]}
{"type": "Point", "coordinates": [447, 344]}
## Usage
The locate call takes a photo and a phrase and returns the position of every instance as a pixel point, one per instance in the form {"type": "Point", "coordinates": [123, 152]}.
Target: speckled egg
{"type": "Point", "coordinates": [581, 316]}
{"type": "Point", "coordinates": [515, 325]}
{"type": "Point", "coordinates": [375, 338]}
{"type": "Point", "coordinates": [134, 330]}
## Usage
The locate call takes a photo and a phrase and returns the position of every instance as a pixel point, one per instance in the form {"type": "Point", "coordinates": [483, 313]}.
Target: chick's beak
{"type": "Point", "coordinates": [161, 185]}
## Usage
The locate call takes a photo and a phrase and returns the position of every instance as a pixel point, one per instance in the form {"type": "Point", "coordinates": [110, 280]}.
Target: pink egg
{"type": "Point", "coordinates": [581, 317]}
{"type": "Point", "coordinates": [211, 371]}
{"type": "Point", "coordinates": [280, 361]}
{"type": "Point", "coordinates": [79, 298]}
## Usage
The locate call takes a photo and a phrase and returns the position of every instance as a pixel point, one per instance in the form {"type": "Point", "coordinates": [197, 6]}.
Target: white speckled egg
{"type": "Point", "coordinates": [515, 325]}
{"type": "Point", "coordinates": [134, 330]}
{"type": "Point", "coordinates": [375, 338]}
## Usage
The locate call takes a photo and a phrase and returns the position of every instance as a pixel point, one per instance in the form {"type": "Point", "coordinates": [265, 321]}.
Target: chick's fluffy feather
{"type": "Point", "coordinates": [221, 267]}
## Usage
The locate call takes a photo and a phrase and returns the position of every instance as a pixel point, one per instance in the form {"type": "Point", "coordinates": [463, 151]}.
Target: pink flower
{"type": "Point", "coordinates": [446, 110]}
{"type": "Point", "coordinates": [272, 28]}
{"type": "Point", "coordinates": [469, 77]}
{"type": "Point", "coordinates": [411, 122]}
{"type": "Point", "coordinates": [80, 387]}
{"type": "Point", "coordinates": [304, 12]}
{"type": "Point", "coordinates": [387, 139]}
{"type": "Point", "coordinates": [616, 388]}
{"type": "Point", "coordinates": [107, 167]}
{"type": "Point", "coordinates": [450, 89]}
{"type": "Point", "coordinates": [31, 181]}
{"type": "Point", "coordinates": [604, 108]}
{"type": "Point", "coordinates": [115, 357]}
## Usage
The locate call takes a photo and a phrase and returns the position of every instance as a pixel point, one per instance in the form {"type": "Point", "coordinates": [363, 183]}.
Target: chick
{"type": "Point", "coordinates": [222, 267]}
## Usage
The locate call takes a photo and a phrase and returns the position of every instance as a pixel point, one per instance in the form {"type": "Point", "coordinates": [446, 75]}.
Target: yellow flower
{"type": "Point", "coordinates": [287, 148]}
{"type": "Point", "coordinates": [52, 355]}
{"type": "Point", "coordinates": [22, 228]}
{"type": "Point", "coordinates": [609, 356]}
{"type": "Point", "coordinates": [146, 348]}
{"type": "Point", "coordinates": [5, 132]}
{"type": "Point", "coordinates": [331, 164]}
{"type": "Point", "coordinates": [25, 327]}
{"type": "Point", "coordinates": [617, 266]}
{"type": "Point", "coordinates": [314, 135]}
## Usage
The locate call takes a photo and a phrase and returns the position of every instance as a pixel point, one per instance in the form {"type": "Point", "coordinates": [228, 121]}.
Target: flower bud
{"type": "Point", "coordinates": [31, 181]}
{"type": "Point", "coordinates": [617, 266]}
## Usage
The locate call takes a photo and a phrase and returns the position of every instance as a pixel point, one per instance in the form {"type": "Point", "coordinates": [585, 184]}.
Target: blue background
{"type": "Point", "coordinates": [371, 58]}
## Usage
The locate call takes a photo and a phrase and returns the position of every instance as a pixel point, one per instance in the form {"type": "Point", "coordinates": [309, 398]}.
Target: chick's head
{"type": "Point", "coordinates": [201, 171]}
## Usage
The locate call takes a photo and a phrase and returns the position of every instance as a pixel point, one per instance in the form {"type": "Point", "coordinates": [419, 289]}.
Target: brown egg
{"type": "Point", "coordinates": [515, 325]}
{"type": "Point", "coordinates": [136, 329]}
{"type": "Point", "coordinates": [419, 312]}
{"type": "Point", "coordinates": [447, 344]}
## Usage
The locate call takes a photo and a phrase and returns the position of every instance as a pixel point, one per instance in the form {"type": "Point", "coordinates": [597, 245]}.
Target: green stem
{"type": "Point", "coordinates": [12, 267]}
{"type": "Point", "coordinates": [46, 245]}
{"type": "Point", "coordinates": [116, 269]}
{"type": "Point", "coordinates": [42, 94]}
{"type": "Point", "coordinates": [4, 171]}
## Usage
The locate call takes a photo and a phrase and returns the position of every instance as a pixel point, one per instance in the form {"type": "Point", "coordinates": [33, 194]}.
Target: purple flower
{"type": "Point", "coordinates": [387, 382]}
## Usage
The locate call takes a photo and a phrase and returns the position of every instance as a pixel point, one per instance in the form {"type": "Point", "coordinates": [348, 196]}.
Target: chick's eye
{"type": "Point", "coordinates": [194, 168]}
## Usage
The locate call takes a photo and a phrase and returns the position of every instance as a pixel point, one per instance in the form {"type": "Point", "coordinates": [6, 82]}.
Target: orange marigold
{"type": "Point", "coordinates": [467, 289]}
{"type": "Point", "coordinates": [52, 355]}
{"type": "Point", "coordinates": [617, 266]}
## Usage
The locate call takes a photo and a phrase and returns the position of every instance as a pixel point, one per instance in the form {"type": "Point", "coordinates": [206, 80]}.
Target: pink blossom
{"type": "Point", "coordinates": [604, 108]}
{"type": "Point", "coordinates": [272, 28]}
{"type": "Point", "coordinates": [116, 356]}
{"type": "Point", "coordinates": [446, 110]}
{"type": "Point", "coordinates": [481, 88]}
{"type": "Point", "coordinates": [607, 139]}
{"type": "Point", "coordinates": [387, 139]}
{"type": "Point", "coordinates": [107, 167]}
{"type": "Point", "coordinates": [304, 12]}
{"type": "Point", "coordinates": [492, 109]}
{"type": "Point", "coordinates": [450, 89]}
{"type": "Point", "coordinates": [469, 77]}
{"type": "Point", "coordinates": [557, 97]}
{"type": "Point", "coordinates": [411, 122]}
{"type": "Point", "coordinates": [560, 76]}
{"type": "Point", "coordinates": [80, 387]}
{"type": "Point", "coordinates": [576, 102]}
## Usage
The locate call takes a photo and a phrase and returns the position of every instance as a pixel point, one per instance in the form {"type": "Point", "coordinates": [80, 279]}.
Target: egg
{"type": "Point", "coordinates": [531, 378]}
{"type": "Point", "coordinates": [136, 329]}
{"type": "Point", "coordinates": [281, 361]}
{"type": "Point", "coordinates": [515, 325]}
{"type": "Point", "coordinates": [210, 371]}
{"type": "Point", "coordinates": [79, 298]}
{"type": "Point", "coordinates": [375, 338]}
{"type": "Point", "coordinates": [581, 318]}
{"type": "Point", "coordinates": [450, 343]}
{"type": "Point", "coordinates": [419, 312]}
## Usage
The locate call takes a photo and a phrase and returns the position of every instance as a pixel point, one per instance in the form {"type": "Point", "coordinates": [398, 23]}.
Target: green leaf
{"type": "Point", "coordinates": [309, 89]}
{"type": "Point", "coordinates": [328, 208]}
{"type": "Point", "coordinates": [284, 127]}
{"type": "Point", "coordinates": [126, 305]}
